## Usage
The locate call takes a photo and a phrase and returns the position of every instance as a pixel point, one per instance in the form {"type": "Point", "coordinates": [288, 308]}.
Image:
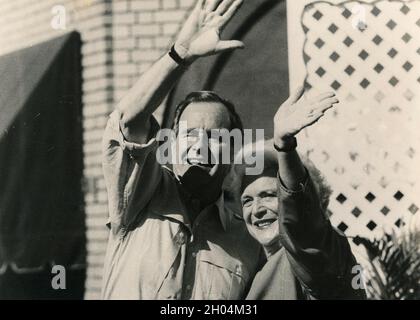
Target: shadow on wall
{"type": "Point", "coordinates": [256, 79]}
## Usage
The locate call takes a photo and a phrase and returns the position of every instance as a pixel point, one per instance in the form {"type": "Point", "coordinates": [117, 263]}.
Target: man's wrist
{"type": "Point", "coordinates": [180, 55]}
{"type": "Point", "coordinates": [285, 144]}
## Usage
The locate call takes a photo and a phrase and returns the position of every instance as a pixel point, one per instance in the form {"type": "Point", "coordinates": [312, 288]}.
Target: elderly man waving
{"type": "Point", "coordinates": [172, 235]}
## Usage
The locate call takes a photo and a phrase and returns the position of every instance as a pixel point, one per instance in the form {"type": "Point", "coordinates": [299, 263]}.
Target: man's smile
{"type": "Point", "coordinates": [199, 162]}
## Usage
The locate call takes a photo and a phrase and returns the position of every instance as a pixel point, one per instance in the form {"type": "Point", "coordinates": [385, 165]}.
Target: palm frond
{"type": "Point", "coordinates": [393, 272]}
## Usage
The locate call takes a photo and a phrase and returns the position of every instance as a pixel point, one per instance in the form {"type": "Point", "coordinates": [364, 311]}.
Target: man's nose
{"type": "Point", "coordinates": [201, 143]}
{"type": "Point", "coordinates": [258, 211]}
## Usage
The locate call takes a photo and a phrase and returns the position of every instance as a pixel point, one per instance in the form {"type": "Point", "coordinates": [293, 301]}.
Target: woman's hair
{"type": "Point", "coordinates": [236, 182]}
{"type": "Point", "coordinates": [323, 188]}
{"type": "Point", "coordinates": [207, 96]}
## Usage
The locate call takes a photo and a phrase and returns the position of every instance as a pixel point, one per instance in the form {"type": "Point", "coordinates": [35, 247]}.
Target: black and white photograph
{"type": "Point", "coordinates": [230, 150]}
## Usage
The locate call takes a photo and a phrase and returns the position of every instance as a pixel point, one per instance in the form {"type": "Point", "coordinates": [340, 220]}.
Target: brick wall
{"type": "Point", "coordinates": [121, 38]}
{"type": "Point", "coordinates": [142, 31]}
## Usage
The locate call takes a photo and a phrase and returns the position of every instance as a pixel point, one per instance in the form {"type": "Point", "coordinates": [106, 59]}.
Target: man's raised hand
{"type": "Point", "coordinates": [200, 35]}
{"type": "Point", "coordinates": [297, 113]}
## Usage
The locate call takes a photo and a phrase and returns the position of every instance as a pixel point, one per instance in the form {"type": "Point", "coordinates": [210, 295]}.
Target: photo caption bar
{"type": "Point", "coordinates": [209, 309]}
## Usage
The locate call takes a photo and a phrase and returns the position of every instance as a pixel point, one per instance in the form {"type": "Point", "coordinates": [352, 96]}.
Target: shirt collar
{"type": "Point", "coordinates": [224, 212]}
{"type": "Point", "coordinates": [226, 207]}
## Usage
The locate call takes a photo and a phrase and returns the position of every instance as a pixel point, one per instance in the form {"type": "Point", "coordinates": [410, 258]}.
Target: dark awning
{"type": "Point", "coordinates": [41, 164]}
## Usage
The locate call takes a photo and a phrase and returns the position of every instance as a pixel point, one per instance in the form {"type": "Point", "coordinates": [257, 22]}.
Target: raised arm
{"type": "Point", "coordinates": [199, 37]}
{"type": "Point", "coordinates": [320, 257]}
{"type": "Point", "coordinates": [132, 174]}
{"type": "Point", "coordinates": [291, 118]}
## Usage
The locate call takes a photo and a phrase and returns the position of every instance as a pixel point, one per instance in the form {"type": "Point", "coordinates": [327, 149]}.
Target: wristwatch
{"type": "Point", "coordinates": [177, 58]}
{"type": "Point", "coordinates": [290, 145]}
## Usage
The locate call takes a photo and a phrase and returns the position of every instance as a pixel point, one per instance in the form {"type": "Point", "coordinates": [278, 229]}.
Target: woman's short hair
{"type": "Point", "coordinates": [236, 183]}
{"type": "Point", "coordinates": [323, 188]}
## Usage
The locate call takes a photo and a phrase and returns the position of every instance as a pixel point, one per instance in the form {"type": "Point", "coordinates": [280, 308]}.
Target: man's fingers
{"type": "Point", "coordinates": [199, 5]}
{"type": "Point", "coordinates": [297, 94]}
{"type": "Point", "coordinates": [229, 45]}
{"type": "Point", "coordinates": [223, 7]}
{"type": "Point", "coordinates": [199, 11]}
{"type": "Point", "coordinates": [211, 5]}
{"type": "Point", "coordinates": [231, 11]}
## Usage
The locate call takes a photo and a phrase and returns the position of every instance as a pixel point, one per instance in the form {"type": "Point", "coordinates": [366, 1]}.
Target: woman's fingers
{"type": "Point", "coordinates": [312, 120]}
{"type": "Point", "coordinates": [307, 114]}
{"type": "Point", "coordinates": [321, 106]}
{"type": "Point", "coordinates": [325, 105]}
{"type": "Point", "coordinates": [321, 97]}
{"type": "Point", "coordinates": [315, 119]}
{"type": "Point", "coordinates": [315, 113]}
{"type": "Point", "coordinates": [296, 95]}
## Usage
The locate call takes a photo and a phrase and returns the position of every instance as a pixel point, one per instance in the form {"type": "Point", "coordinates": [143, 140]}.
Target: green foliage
{"type": "Point", "coordinates": [393, 270]}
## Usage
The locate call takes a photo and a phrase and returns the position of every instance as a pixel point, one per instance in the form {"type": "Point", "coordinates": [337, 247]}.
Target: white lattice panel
{"type": "Point", "coordinates": [368, 147]}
